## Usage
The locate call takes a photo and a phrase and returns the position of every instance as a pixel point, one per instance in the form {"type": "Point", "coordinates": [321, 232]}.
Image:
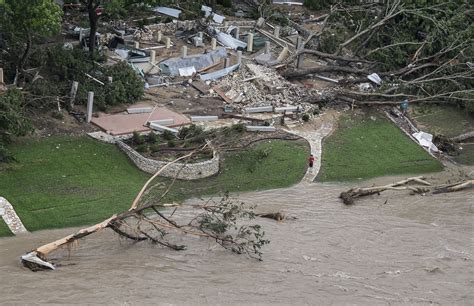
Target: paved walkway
{"type": "Point", "coordinates": [314, 132]}
{"type": "Point", "coordinates": [10, 217]}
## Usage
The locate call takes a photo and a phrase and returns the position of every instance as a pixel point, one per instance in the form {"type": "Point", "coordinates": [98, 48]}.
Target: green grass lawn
{"type": "Point", "coordinates": [362, 148]}
{"type": "Point", "coordinates": [4, 230]}
{"type": "Point", "coordinates": [63, 181]}
{"type": "Point", "coordinates": [69, 181]}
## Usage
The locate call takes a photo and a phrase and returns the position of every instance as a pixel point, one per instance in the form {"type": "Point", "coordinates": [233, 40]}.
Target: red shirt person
{"type": "Point", "coordinates": [311, 160]}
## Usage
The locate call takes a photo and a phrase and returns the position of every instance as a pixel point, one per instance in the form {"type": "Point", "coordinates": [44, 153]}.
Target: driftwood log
{"type": "Point", "coordinates": [349, 196]}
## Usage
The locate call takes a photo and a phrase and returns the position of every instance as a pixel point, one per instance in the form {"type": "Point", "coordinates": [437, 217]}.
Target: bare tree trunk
{"type": "Point", "coordinates": [463, 137]}
{"type": "Point", "coordinates": [93, 19]}
{"type": "Point", "coordinates": [26, 53]}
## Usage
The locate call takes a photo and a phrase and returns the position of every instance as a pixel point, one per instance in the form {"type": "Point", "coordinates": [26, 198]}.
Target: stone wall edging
{"type": "Point", "coordinates": [7, 212]}
{"type": "Point", "coordinates": [192, 171]}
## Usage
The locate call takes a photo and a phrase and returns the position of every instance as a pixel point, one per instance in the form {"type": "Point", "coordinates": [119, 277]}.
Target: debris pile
{"type": "Point", "coordinates": [254, 85]}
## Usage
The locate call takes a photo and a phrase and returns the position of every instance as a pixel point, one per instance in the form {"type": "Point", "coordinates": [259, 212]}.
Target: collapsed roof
{"type": "Point", "coordinates": [198, 61]}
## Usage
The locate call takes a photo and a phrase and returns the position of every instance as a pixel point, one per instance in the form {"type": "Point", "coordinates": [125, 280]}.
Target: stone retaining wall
{"type": "Point", "coordinates": [188, 171]}
{"type": "Point", "coordinates": [10, 217]}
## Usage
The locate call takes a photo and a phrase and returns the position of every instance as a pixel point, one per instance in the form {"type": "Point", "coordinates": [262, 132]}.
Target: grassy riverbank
{"type": "Point", "coordinates": [449, 121]}
{"type": "Point", "coordinates": [368, 145]}
{"type": "Point", "coordinates": [4, 230]}
{"type": "Point", "coordinates": [72, 181]}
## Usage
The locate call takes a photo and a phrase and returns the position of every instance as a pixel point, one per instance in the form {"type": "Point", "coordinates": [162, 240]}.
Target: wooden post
{"type": "Point", "coordinates": [239, 57]}
{"type": "Point", "coordinates": [90, 104]}
{"type": "Point", "coordinates": [250, 42]}
{"type": "Point", "coordinates": [152, 56]}
{"type": "Point", "coordinates": [267, 47]}
{"type": "Point", "coordinates": [227, 62]}
{"type": "Point", "coordinates": [283, 54]}
{"type": "Point", "coordinates": [276, 31]}
{"type": "Point", "coordinates": [137, 45]}
{"type": "Point", "coordinates": [237, 33]}
{"type": "Point", "coordinates": [158, 36]}
{"type": "Point", "coordinates": [168, 42]}
{"type": "Point", "coordinates": [73, 93]}
{"type": "Point", "coordinates": [299, 46]}
{"type": "Point", "coordinates": [184, 51]}
{"type": "Point", "coordinates": [213, 43]}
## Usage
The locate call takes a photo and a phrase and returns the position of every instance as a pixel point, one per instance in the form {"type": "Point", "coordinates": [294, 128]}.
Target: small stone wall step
{"type": "Point", "coordinates": [286, 109]}
{"type": "Point", "coordinates": [258, 128]}
{"type": "Point", "coordinates": [203, 118]}
{"type": "Point", "coordinates": [162, 128]}
{"type": "Point", "coordinates": [10, 217]}
{"type": "Point", "coordinates": [139, 110]}
{"type": "Point", "coordinates": [164, 122]}
{"type": "Point", "coordinates": [260, 109]}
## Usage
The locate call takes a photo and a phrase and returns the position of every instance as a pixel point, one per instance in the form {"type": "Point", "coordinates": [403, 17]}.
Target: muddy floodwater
{"type": "Point", "coordinates": [387, 249]}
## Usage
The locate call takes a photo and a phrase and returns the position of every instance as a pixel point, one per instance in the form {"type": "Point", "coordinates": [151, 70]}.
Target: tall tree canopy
{"type": "Point", "coordinates": [24, 20]}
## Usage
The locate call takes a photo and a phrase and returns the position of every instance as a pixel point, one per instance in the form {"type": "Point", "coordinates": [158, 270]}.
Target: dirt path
{"type": "Point", "coordinates": [314, 132]}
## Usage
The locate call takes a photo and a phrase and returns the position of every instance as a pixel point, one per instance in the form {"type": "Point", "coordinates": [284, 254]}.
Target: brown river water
{"type": "Point", "coordinates": [409, 250]}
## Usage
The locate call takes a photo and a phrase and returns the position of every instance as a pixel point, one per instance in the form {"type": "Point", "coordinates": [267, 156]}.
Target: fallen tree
{"type": "Point", "coordinates": [462, 137]}
{"type": "Point", "coordinates": [423, 50]}
{"type": "Point", "coordinates": [227, 223]}
{"type": "Point", "coordinates": [421, 187]}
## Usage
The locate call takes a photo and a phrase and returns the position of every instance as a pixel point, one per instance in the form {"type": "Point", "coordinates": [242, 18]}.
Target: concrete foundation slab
{"type": "Point", "coordinates": [120, 124]}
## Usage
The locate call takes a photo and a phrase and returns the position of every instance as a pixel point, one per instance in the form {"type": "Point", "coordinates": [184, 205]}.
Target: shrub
{"type": "Point", "coordinates": [155, 147]}
{"type": "Point", "coordinates": [167, 135]}
{"type": "Point", "coordinates": [137, 138]}
{"type": "Point", "coordinates": [193, 131]}
{"type": "Point", "coordinates": [153, 138]}
{"type": "Point", "coordinates": [305, 117]}
{"type": "Point", "coordinates": [57, 115]}
{"type": "Point", "coordinates": [171, 143]}
{"type": "Point", "coordinates": [239, 127]}
{"type": "Point", "coordinates": [142, 148]}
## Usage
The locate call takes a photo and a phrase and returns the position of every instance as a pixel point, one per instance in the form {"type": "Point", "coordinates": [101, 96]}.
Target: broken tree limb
{"type": "Point", "coordinates": [325, 56]}
{"type": "Point", "coordinates": [291, 74]}
{"type": "Point", "coordinates": [455, 187]}
{"type": "Point", "coordinates": [462, 137]}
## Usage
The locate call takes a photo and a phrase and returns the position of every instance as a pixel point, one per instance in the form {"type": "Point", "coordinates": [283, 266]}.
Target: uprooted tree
{"type": "Point", "coordinates": [227, 222]}
{"type": "Point", "coordinates": [422, 50]}
{"type": "Point", "coordinates": [416, 185]}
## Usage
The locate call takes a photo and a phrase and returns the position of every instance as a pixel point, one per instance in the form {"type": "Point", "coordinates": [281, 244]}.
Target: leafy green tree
{"type": "Point", "coordinates": [22, 21]}
{"type": "Point", "coordinates": [12, 121]}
